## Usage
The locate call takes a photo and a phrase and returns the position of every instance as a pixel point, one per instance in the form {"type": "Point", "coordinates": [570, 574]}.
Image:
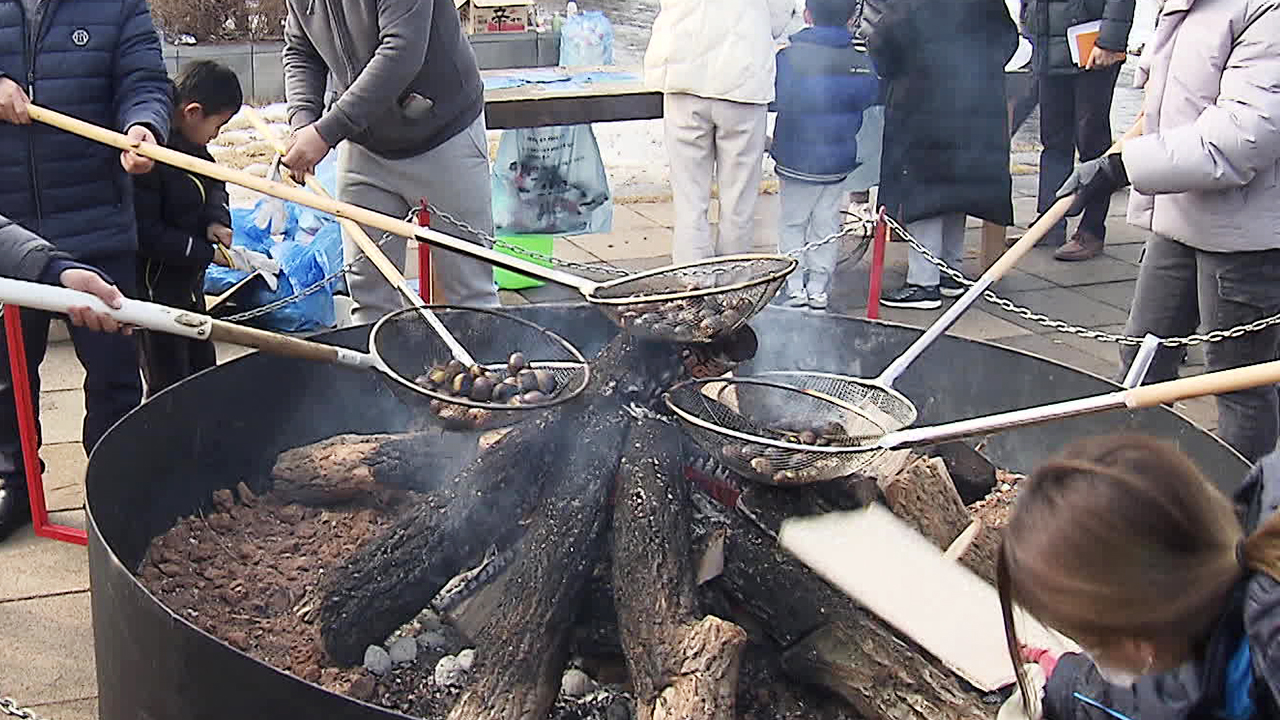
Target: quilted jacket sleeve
{"type": "Point", "coordinates": [1117, 21]}
{"type": "Point", "coordinates": [142, 85]}
{"type": "Point", "coordinates": [1232, 139]}
{"type": "Point", "coordinates": [23, 254]}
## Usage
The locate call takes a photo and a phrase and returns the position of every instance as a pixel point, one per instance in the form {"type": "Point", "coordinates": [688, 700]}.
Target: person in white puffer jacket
{"type": "Point", "coordinates": [713, 60]}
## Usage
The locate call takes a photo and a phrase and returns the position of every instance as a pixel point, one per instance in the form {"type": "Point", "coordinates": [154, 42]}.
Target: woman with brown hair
{"type": "Point", "coordinates": [1171, 588]}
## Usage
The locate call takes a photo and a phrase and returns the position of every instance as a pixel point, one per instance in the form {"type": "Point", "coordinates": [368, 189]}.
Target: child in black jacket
{"type": "Point", "coordinates": [1170, 587]}
{"type": "Point", "coordinates": [183, 219]}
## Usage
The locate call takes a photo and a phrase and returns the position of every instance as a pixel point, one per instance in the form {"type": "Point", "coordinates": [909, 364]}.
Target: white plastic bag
{"type": "Point", "coordinates": [551, 180]}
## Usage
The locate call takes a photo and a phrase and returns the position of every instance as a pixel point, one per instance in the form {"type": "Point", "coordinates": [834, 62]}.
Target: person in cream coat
{"type": "Point", "coordinates": [713, 60]}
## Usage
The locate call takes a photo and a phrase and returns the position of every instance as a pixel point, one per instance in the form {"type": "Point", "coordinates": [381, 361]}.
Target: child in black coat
{"type": "Point", "coordinates": [183, 218]}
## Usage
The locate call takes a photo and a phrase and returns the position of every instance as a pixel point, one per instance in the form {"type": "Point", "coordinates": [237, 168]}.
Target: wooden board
{"type": "Point", "coordinates": [900, 576]}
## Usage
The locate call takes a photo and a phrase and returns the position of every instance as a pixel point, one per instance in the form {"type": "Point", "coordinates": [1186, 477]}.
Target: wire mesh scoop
{"type": "Point", "coordinates": [854, 436]}
{"type": "Point", "coordinates": [402, 350]}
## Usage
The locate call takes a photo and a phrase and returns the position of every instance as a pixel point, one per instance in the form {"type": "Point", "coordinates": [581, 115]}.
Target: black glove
{"type": "Point", "coordinates": [1094, 179]}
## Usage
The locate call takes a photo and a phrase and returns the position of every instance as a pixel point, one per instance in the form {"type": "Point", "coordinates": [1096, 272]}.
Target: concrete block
{"type": "Point", "coordinates": [1116, 294]}
{"type": "Point", "coordinates": [1066, 305]}
{"type": "Point", "coordinates": [47, 649]}
{"type": "Point", "coordinates": [661, 213]}
{"type": "Point", "coordinates": [62, 415]}
{"type": "Point", "coordinates": [61, 369]}
{"type": "Point", "coordinates": [1130, 253]}
{"type": "Point", "coordinates": [86, 709]}
{"type": "Point", "coordinates": [268, 74]}
{"type": "Point", "coordinates": [1066, 274]}
{"type": "Point", "coordinates": [32, 567]}
{"type": "Point", "coordinates": [65, 465]}
{"type": "Point", "coordinates": [627, 244]}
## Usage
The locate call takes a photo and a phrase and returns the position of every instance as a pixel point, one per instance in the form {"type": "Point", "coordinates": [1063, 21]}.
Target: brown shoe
{"type": "Point", "coordinates": [1081, 246]}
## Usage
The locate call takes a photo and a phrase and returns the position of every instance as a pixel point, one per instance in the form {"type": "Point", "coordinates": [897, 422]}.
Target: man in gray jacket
{"type": "Point", "coordinates": [410, 108]}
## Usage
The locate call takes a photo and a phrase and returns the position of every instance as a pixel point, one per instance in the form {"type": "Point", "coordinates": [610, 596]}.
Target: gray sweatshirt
{"type": "Point", "coordinates": [405, 74]}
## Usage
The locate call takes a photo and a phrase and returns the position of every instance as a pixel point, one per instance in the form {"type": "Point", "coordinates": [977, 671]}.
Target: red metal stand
{"type": "Point", "coordinates": [877, 267]}
{"type": "Point", "coordinates": [424, 254]}
{"type": "Point", "coordinates": [30, 437]}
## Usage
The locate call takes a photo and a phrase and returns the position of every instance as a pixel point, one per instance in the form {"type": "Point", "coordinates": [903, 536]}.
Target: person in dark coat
{"type": "Point", "coordinates": [27, 256]}
{"type": "Point", "coordinates": [1171, 588]}
{"type": "Point", "coordinates": [946, 143]}
{"type": "Point", "coordinates": [100, 61]}
{"type": "Point", "coordinates": [1075, 104]}
{"type": "Point", "coordinates": [824, 85]}
{"type": "Point", "coordinates": [182, 218]}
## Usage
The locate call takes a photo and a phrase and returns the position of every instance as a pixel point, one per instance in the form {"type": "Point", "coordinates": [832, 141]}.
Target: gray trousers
{"type": "Point", "coordinates": [810, 212]}
{"type": "Point", "coordinates": [713, 138]}
{"type": "Point", "coordinates": [455, 178]}
{"type": "Point", "coordinates": [1180, 289]}
{"type": "Point", "coordinates": [942, 235]}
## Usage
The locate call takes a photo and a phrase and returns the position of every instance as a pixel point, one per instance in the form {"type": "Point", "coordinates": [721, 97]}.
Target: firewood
{"type": "Point", "coordinates": [829, 641]}
{"type": "Point", "coordinates": [924, 495]}
{"type": "Point", "coordinates": [683, 665]}
{"type": "Point", "coordinates": [345, 468]}
{"type": "Point", "coordinates": [523, 618]}
{"type": "Point", "coordinates": [973, 474]}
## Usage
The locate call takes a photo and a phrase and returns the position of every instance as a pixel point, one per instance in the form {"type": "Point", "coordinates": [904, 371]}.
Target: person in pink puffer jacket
{"type": "Point", "coordinates": [713, 60]}
{"type": "Point", "coordinates": [1204, 162]}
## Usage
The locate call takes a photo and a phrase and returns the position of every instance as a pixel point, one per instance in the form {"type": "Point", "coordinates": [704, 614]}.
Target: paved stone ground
{"type": "Point", "coordinates": [46, 648]}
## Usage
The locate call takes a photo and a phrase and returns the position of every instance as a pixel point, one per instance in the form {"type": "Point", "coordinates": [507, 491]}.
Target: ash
{"type": "Point", "coordinates": [604, 704]}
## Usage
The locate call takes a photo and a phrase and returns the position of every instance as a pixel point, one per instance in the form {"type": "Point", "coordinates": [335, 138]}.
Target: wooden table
{"type": "Point", "coordinates": [543, 104]}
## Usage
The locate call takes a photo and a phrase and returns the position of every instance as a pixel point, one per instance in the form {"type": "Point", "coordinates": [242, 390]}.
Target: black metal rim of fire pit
{"type": "Point", "coordinates": [225, 425]}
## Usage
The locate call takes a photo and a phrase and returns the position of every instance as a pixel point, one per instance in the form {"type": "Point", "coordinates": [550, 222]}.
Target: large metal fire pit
{"type": "Point", "coordinates": [226, 425]}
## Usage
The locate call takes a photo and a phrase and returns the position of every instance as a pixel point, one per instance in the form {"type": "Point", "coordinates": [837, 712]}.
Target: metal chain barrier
{"type": "Point", "coordinates": [1212, 336]}
{"type": "Point", "coordinates": [10, 707]}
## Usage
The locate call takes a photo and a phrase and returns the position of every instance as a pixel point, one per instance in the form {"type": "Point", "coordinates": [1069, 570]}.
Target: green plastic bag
{"type": "Point", "coordinates": [541, 244]}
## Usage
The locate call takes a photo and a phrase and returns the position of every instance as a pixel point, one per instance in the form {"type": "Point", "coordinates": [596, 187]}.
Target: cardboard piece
{"type": "Point", "coordinates": [495, 16]}
{"type": "Point", "coordinates": [893, 571]}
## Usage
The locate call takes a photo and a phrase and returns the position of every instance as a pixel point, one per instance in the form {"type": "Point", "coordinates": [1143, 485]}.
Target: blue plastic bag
{"type": "Point", "coordinates": [307, 246]}
{"type": "Point", "coordinates": [586, 39]}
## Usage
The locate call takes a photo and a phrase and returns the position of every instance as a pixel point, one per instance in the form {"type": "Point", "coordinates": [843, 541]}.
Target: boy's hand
{"type": "Point", "coordinates": [90, 282]}
{"type": "Point", "coordinates": [306, 150]}
{"type": "Point", "coordinates": [133, 163]}
{"type": "Point", "coordinates": [220, 234]}
{"type": "Point", "coordinates": [13, 103]}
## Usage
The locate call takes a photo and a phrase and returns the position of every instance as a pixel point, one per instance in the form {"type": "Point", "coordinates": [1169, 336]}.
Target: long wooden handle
{"type": "Point", "coordinates": [298, 195]}
{"type": "Point", "coordinates": [1034, 234]}
{"type": "Point", "coordinates": [367, 246]}
{"type": "Point", "coordinates": [277, 344]}
{"type": "Point", "coordinates": [1214, 383]}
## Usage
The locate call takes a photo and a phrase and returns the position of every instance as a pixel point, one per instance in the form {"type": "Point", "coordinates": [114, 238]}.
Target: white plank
{"type": "Point", "coordinates": [893, 571]}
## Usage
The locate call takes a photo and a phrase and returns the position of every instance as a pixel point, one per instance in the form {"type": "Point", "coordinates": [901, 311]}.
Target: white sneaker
{"type": "Point", "coordinates": [796, 299]}
{"type": "Point", "coordinates": [818, 301]}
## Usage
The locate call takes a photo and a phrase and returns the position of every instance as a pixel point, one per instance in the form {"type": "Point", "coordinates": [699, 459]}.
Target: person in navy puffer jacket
{"type": "Point", "coordinates": [100, 61]}
{"type": "Point", "coordinates": [824, 84]}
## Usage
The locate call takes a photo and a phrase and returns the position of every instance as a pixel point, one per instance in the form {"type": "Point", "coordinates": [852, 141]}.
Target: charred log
{"type": "Point", "coordinates": [345, 468]}
{"type": "Point", "coordinates": [387, 582]}
{"type": "Point", "coordinates": [523, 618]}
{"type": "Point", "coordinates": [682, 665]}
{"type": "Point", "coordinates": [879, 673]}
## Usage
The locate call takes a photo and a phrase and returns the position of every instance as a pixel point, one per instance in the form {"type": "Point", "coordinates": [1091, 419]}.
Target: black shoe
{"type": "Point", "coordinates": [15, 510]}
{"type": "Point", "coordinates": [950, 287]}
{"type": "Point", "coordinates": [915, 297]}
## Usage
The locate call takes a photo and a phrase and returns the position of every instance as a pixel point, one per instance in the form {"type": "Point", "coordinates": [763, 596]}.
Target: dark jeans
{"type": "Point", "coordinates": [112, 385]}
{"type": "Point", "coordinates": [1075, 116]}
{"type": "Point", "coordinates": [1181, 288]}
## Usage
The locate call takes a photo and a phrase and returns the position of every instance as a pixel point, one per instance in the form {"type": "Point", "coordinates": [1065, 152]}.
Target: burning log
{"type": "Point", "coordinates": [522, 619]}
{"type": "Point", "coordinates": [826, 638]}
{"type": "Point", "coordinates": [681, 666]}
{"type": "Point", "coordinates": [386, 583]}
{"type": "Point", "coordinates": [345, 468]}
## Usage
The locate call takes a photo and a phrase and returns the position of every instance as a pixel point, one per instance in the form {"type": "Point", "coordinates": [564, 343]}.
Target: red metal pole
{"type": "Point", "coordinates": [877, 267]}
{"type": "Point", "coordinates": [29, 435]}
{"type": "Point", "coordinates": [424, 254]}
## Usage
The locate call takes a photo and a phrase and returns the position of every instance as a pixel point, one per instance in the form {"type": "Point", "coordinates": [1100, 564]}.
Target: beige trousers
{"type": "Point", "coordinates": [713, 138]}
